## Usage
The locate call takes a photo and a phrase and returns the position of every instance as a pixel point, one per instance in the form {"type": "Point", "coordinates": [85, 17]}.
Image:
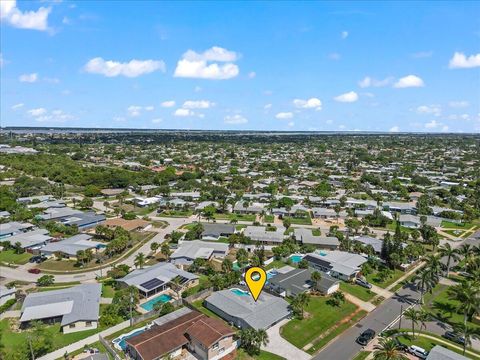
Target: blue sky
{"type": "Point", "coordinates": [305, 66]}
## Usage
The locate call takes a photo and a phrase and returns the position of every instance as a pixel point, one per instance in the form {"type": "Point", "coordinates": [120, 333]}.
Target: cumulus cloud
{"type": "Point", "coordinates": [267, 106]}
{"type": "Point", "coordinates": [133, 68]}
{"type": "Point", "coordinates": [432, 124]}
{"type": "Point", "coordinates": [136, 110]}
{"type": "Point", "coordinates": [197, 104]}
{"type": "Point", "coordinates": [215, 63]}
{"type": "Point", "coordinates": [394, 129]}
{"type": "Point", "coordinates": [37, 111]}
{"type": "Point", "coordinates": [30, 78]}
{"type": "Point", "coordinates": [367, 81]}
{"type": "Point", "coordinates": [34, 20]}
{"type": "Point", "coordinates": [183, 112]}
{"type": "Point", "coordinates": [409, 81]}
{"type": "Point", "coordinates": [435, 110]}
{"type": "Point", "coordinates": [284, 115]}
{"type": "Point", "coordinates": [312, 103]}
{"type": "Point", "coordinates": [348, 97]}
{"type": "Point", "coordinates": [168, 104]}
{"type": "Point", "coordinates": [236, 119]}
{"type": "Point", "coordinates": [461, 61]}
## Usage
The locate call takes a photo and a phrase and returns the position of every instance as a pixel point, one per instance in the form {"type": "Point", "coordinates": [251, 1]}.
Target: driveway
{"type": "Point", "coordinates": [280, 346]}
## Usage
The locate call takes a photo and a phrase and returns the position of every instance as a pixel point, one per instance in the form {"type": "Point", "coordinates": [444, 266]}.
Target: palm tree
{"type": "Point", "coordinates": [140, 260]}
{"type": "Point", "coordinates": [466, 252]}
{"type": "Point", "coordinates": [316, 277]}
{"type": "Point", "coordinates": [165, 250]}
{"type": "Point", "coordinates": [435, 264]}
{"type": "Point", "coordinates": [154, 247]}
{"type": "Point", "coordinates": [299, 303]}
{"type": "Point", "coordinates": [427, 279]}
{"type": "Point", "coordinates": [449, 252]}
{"type": "Point", "coordinates": [423, 317]}
{"type": "Point", "coordinates": [413, 315]}
{"type": "Point", "coordinates": [388, 349]}
{"type": "Point", "coordinates": [466, 294]}
{"type": "Point", "coordinates": [469, 333]}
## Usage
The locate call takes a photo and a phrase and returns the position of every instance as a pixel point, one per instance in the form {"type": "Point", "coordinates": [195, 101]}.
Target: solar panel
{"type": "Point", "coordinates": [151, 284]}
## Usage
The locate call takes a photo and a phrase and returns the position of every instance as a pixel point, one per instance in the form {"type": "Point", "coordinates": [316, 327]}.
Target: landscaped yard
{"type": "Point", "coordinates": [238, 217]}
{"type": "Point", "coordinates": [176, 213]}
{"type": "Point", "coordinates": [299, 220]}
{"type": "Point", "coordinates": [319, 317]}
{"type": "Point", "coordinates": [9, 257]}
{"type": "Point", "coordinates": [375, 279]}
{"type": "Point", "coordinates": [14, 340]}
{"type": "Point", "coordinates": [269, 218]}
{"type": "Point", "coordinates": [264, 355]}
{"type": "Point", "coordinates": [275, 264]}
{"type": "Point", "coordinates": [108, 291]}
{"type": "Point", "coordinates": [357, 291]}
{"type": "Point", "coordinates": [452, 225]}
{"type": "Point", "coordinates": [199, 306]}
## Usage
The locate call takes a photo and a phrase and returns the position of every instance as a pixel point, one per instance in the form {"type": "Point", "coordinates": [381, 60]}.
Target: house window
{"type": "Point", "coordinates": [215, 346]}
{"type": "Point", "coordinates": [88, 323]}
{"type": "Point", "coordinates": [71, 326]}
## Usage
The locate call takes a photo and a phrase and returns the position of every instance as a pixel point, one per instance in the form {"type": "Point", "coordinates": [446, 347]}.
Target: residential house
{"type": "Point", "coordinates": [339, 264]}
{"type": "Point", "coordinates": [13, 227]}
{"type": "Point", "coordinates": [183, 331]}
{"type": "Point", "coordinates": [441, 353]}
{"type": "Point", "coordinates": [6, 294]}
{"type": "Point", "coordinates": [262, 235]}
{"type": "Point", "coordinates": [188, 251]}
{"type": "Point", "coordinates": [69, 247]}
{"type": "Point", "coordinates": [216, 231]}
{"type": "Point", "coordinates": [75, 308]}
{"type": "Point", "coordinates": [306, 237]}
{"type": "Point", "coordinates": [237, 307]}
{"type": "Point", "coordinates": [84, 220]}
{"type": "Point", "coordinates": [158, 278]}
{"type": "Point", "coordinates": [31, 240]}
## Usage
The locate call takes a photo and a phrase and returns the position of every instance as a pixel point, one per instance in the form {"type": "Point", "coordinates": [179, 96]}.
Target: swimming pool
{"type": "Point", "coordinates": [296, 258]}
{"type": "Point", "coordinates": [120, 342]}
{"type": "Point", "coordinates": [150, 303]}
{"type": "Point", "coordinates": [239, 292]}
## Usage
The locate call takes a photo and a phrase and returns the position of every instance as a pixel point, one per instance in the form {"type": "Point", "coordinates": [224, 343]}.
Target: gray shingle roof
{"type": "Point", "coordinates": [71, 245]}
{"type": "Point", "coordinates": [440, 353]}
{"type": "Point", "coordinates": [30, 238]}
{"type": "Point", "coordinates": [259, 233]}
{"type": "Point", "coordinates": [306, 237]}
{"type": "Point", "coordinates": [78, 303]}
{"type": "Point", "coordinates": [199, 249]}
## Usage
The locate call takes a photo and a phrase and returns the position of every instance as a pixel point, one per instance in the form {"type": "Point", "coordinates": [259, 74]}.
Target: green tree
{"type": "Point", "coordinates": [46, 280]}
{"type": "Point", "coordinates": [299, 303]}
{"type": "Point", "coordinates": [140, 260]}
{"type": "Point", "coordinates": [450, 253]}
{"type": "Point", "coordinates": [388, 349]}
{"type": "Point", "coordinates": [252, 340]}
{"type": "Point", "coordinates": [413, 315]}
{"type": "Point", "coordinates": [165, 250]}
{"type": "Point", "coordinates": [316, 276]}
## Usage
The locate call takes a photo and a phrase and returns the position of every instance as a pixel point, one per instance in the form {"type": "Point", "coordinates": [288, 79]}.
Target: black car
{"type": "Point", "coordinates": [365, 337]}
{"type": "Point", "coordinates": [450, 335]}
{"type": "Point", "coordinates": [37, 259]}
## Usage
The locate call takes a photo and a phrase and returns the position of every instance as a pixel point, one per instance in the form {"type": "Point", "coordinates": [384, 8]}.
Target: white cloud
{"type": "Point", "coordinates": [252, 74]}
{"type": "Point", "coordinates": [344, 34]}
{"type": "Point", "coordinates": [207, 64]}
{"type": "Point", "coordinates": [34, 20]}
{"type": "Point", "coordinates": [235, 119]}
{"type": "Point", "coordinates": [55, 116]}
{"type": "Point", "coordinates": [37, 111]}
{"type": "Point", "coordinates": [367, 81]}
{"type": "Point", "coordinates": [198, 104]}
{"type": "Point", "coordinates": [119, 119]}
{"type": "Point", "coordinates": [183, 112]}
{"type": "Point", "coordinates": [435, 110]}
{"type": "Point", "coordinates": [348, 97]}
{"type": "Point", "coordinates": [17, 106]}
{"type": "Point", "coordinates": [458, 104]}
{"type": "Point", "coordinates": [284, 115]}
{"type": "Point", "coordinates": [312, 103]}
{"type": "Point", "coordinates": [267, 106]}
{"type": "Point", "coordinates": [394, 129]}
{"type": "Point", "coordinates": [134, 110]}
{"type": "Point", "coordinates": [461, 61]}
{"type": "Point", "coordinates": [168, 104]}
{"type": "Point", "coordinates": [409, 81]}
{"type": "Point", "coordinates": [432, 124]}
{"type": "Point", "coordinates": [30, 78]}
{"type": "Point", "coordinates": [156, 121]}
{"type": "Point", "coordinates": [197, 89]}
{"type": "Point", "coordinates": [133, 68]}
{"type": "Point", "coordinates": [291, 124]}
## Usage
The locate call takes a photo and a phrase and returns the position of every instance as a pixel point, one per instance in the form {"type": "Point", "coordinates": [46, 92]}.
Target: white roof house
{"type": "Point", "coordinates": [188, 251]}
{"type": "Point", "coordinates": [260, 233]}
{"type": "Point", "coordinates": [340, 264]}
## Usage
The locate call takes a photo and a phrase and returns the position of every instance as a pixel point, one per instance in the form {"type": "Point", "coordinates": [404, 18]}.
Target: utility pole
{"type": "Point", "coordinates": [400, 319]}
{"type": "Point", "coordinates": [131, 304]}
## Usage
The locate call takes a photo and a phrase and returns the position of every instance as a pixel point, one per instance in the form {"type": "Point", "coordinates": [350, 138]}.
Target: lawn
{"type": "Point", "coordinates": [108, 291]}
{"type": "Point", "coordinates": [362, 355]}
{"type": "Point", "coordinates": [199, 306]}
{"type": "Point", "coordinates": [238, 217]}
{"type": "Point", "coordinates": [299, 220]}
{"type": "Point", "coordinates": [9, 257]}
{"type": "Point", "coordinates": [357, 291]}
{"type": "Point", "coordinates": [13, 340]}
{"type": "Point", "coordinates": [450, 225]}
{"type": "Point", "coordinates": [275, 264]}
{"type": "Point", "coordinates": [269, 218]}
{"type": "Point", "coordinates": [374, 279]}
{"type": "Point", "coordinates": [319, 318]}
{"type": "Point", "coordinates": [264, 355]}
{"type": "Point", "coordinates": [175, 213]}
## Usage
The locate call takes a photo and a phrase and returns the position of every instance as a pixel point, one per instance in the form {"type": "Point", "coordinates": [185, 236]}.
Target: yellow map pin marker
{"type": "Point", "coordinates": [255, 277]}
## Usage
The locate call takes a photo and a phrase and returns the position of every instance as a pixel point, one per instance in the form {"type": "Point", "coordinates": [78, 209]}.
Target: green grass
{"type": "Point", "coordinates": [316, 232]}
{"type": "Point", "coordinates": [9, 257]}
{"type": "Point", "coordinates": [427, 343]}
{"type": "Point", "coordinates": [374, 279]}
{"type": "Point", "coordinates": [319, 318]}
{"type": "Point", "coordinates": [175, 213]}
{"type": "Point", "coordinates": [239, 217]}
{"type": "Point", "coordinates": [269, 218]}
{"type": "Point", "coordinates": [275, 264]}
{"type": "Point", "coordinates": [451, 225]}
{"type": "Point", "coordinates": [108, 291]}
{"type": "Point", "coordinates": [199, 306]}
{"type": "Point", "coordinates": [362, 355]}
{"type": "Point", "coordinates": [357, 291]}
{"type": "Point", "coordinates": [264, 355]}
{"type": "Point", "coordinates": [402, 283]}
{"type": "Point", "coordinates": [337, 331]}
{"type": "Point", "coordinates": [299, 220]}
{"type": "Point", "coordinates": [14, 340]}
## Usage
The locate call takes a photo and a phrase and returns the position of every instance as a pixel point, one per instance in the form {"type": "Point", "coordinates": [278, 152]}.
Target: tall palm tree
{"type": "Point", "coordinates": [423, 317]}
{"type": "Point", "coordinates": [466, 294]}
{"type": "Point", "coordinates": [427, 280]}
{"type": "Point", "coordinates": [413, 315]}
{"type": "Point", "coordinates": [388, 349]}
{"type": "Point", "coordinates": [435, 264]}
{"type": "Point", "coordinates": [465, 251]}
{"type": "Point", "coordinates": [469, 333]}
{"type": "Point", "coordinates": [140, 260]}
{"type": "Point", "coordinates": [316, 277]}
{"type": "Point", "coordinates": [450, 253]}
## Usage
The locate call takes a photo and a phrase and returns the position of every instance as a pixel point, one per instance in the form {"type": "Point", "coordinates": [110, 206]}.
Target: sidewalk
{"type": "Point", "coordinates": [87, 341]}
{"type": "Point", "coordinates": [280, 346]}
{"type": "Point", "coordinates": [364, 305]}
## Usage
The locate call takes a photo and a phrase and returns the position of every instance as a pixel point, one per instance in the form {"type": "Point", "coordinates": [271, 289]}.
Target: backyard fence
{"type": "Point", "coordinates": [198, 296]}
{"type": "Point", "coordinates": [109, 348]}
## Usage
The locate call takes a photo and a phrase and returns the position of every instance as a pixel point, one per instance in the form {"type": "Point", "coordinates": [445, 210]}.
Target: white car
{"type": "Point", "coordinates": [419, 352]}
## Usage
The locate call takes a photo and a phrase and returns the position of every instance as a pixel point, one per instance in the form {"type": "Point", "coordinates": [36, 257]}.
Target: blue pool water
{"type": "Point", "coordinates": [296, 258]}
{"type": "Point", "coordinates": [123, 344]}
{"type": "Point", "coordinates": [239, 292]}
{"type": "Point", "coordinates": [150, 303]}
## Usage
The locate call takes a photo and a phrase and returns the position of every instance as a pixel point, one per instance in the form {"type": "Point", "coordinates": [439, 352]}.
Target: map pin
{"type": "Point", "coordinates": [255, 277]}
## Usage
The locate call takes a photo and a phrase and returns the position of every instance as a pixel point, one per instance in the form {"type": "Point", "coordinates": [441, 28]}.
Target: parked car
{"type": "Point", "coordinates": [34, 271]}
{"type": "Point", "coordinates": [363, 283]}
{"type": "Point", "coordinates": [418, 351]}
{"type": "Point", "coordinates": [450, 335]}
{"type": "Point", "coordinates": [91, 351]}
{"type": "Point", "coordinates": [38, 259]}
{"type": "Point", "coordinates": [365, 337]}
